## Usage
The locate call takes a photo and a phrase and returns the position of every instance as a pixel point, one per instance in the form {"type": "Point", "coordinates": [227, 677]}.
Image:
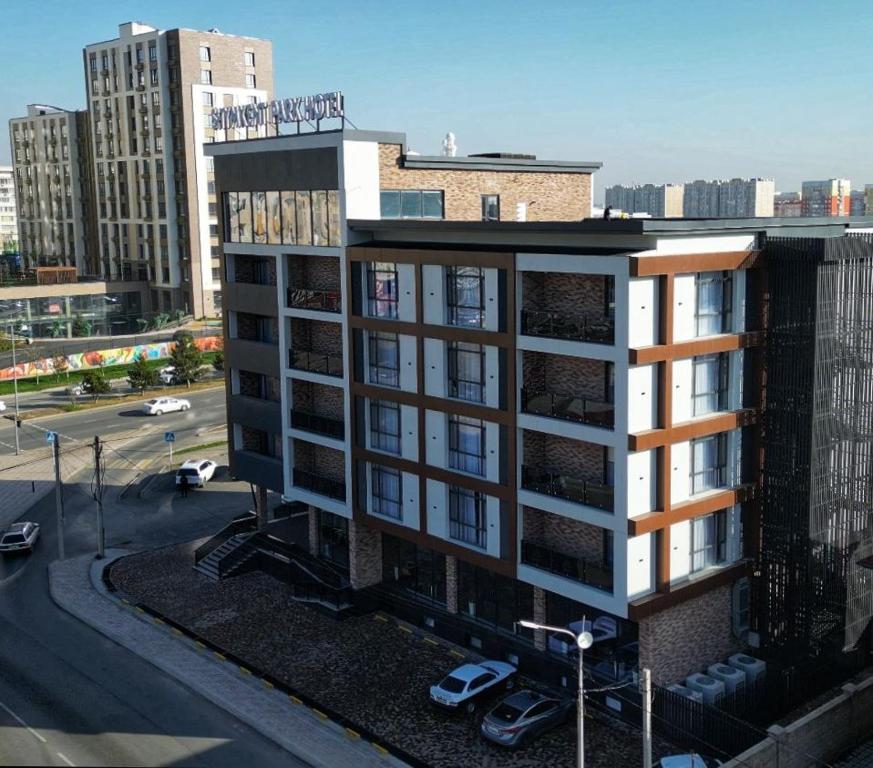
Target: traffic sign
{"type": "Point", "coordinates": [50, 437]}
{"type": "Point", "coordinates": [169, 437]}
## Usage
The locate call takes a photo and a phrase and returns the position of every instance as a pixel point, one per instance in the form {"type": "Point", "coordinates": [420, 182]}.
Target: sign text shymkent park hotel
{"type": "Point", "coordinates": [294, 110]}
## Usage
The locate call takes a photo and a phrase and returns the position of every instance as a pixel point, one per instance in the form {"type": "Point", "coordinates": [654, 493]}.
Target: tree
{"type": "Point", "coordinates": [61, 366]}
{"type": "Point", "coordinates": [81, 326]}
{"type": "Point", "coordinates": [95, 383]}
{"type": "Point", "coordinates": [218, 361]}
{"type": "Point", "coordinates": [187, 361]}
{"type": "Point", "coordinates": [141, 375]}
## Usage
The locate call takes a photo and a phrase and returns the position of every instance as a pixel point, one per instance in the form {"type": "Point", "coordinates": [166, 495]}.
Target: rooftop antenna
{"type": "Point", "coordinates": [450, 149]}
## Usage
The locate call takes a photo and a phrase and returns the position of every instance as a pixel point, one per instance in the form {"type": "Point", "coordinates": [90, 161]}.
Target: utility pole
{"type": "Point", "coordinates": [98, 496]}
{"type": "Point", "coordinates": [15, 390]}
{"type": "Point", "coordinates": [647, 718]}
{"type": "Point", "coordinates": [59, 497]}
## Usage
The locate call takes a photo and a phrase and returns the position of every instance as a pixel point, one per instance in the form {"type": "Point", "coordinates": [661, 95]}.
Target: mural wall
{"type": "Point", "coordinates": [83, 361]}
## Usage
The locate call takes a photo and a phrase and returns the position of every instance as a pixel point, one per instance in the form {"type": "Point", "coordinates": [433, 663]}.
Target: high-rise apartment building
{"type": "Point", "coordinates": [831, 197]}
{"type": "Point", "coordinates": [658, 200]}
{"type": "Point", "coordinates": [149, 92]}
{"type": "Point", "coordinates": [8, 211]}
{"type": "Point", "coordinates": [787, 204]}
{"type": "Point", "coordinates": [858, 202]}
{"type": "Point", "coordinates": [735, 198]}
{"type": "Point", "coordinates": [52, 182]}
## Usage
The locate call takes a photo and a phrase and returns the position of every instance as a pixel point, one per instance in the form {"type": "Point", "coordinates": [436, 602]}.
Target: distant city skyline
{"type": "Point", "coordinates": [658, 94]}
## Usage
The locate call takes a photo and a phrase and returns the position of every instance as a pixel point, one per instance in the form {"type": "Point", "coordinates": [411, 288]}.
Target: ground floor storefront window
{"type": "Point", "coordinates": [333, 538]}
{"type": "Point", "coordinates": [415, 569]}
{"type": "Point", "coordinates": [494, 599]}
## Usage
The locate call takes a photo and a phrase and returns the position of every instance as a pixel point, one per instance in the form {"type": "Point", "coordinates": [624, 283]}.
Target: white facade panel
{"type": "Point", "coordinates": [437, 509]}
{"type": "Point", "coordinates": [683, 389]}
{"type": "Point", "coordinates": [492, 377]}
{"type": "Point", "coordinates": [492, 452]}
{"type": "Point", "coordinates": [433, 294]}
{"type": "Point", "coordinates": [642, 383]}
{"type": "Point", "coordinates": [680, 479]}
{"type": "Point", "coordinates": [643, 313]}
{"type": "Point", "coordinates": [640, 566]}
{"type": "Point", "coordinates": [680, 550]}
{"type": "Point", "coordinates": [361, 179]}
{"type": "Point", "coordinates": [641, 483]}
{"type": "Point", "coordinates": [435, 368]}
{"type": "Point", "coordinates": [408, 349]}
{"type": "Point", "coordinates": [492, 306]}
{"type": "Point", "coordinates": [406, 292]}
{"type": "Point", "coordinates": [409, 432]}
{"type": "Point", "coordinates": [492, 543]}
{"type": "Point", "coordinates": [411, 509]}
{"type": "Point", "coordinates": [435, 438]}
{"type": "Point", "coordinates": [684, 307]}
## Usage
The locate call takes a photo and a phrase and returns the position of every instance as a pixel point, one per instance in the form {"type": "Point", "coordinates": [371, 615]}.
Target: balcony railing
{"type": "Point", "coordinates": [594, 327]}
{"type": "Point", "coordinates": [315, 362]}
{"type": "Point", "coordinates": [594, 574]}
{"type": "Point", "coordinates": [320, 301]}
{"type": "Point", "coordinates": [321, 425]}
{"type": "Point", "coordinates": [598, 414]}
{"type": "Point", "coordinates": [567, 487]}
{"type": "Point", "coordinates": [335, 489]}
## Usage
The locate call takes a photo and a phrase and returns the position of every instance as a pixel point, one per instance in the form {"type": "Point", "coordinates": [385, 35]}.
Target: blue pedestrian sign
{"type": "Point", "coordinates": [50, 437]}
{"type": "Point", "coordinates": [169, 437]}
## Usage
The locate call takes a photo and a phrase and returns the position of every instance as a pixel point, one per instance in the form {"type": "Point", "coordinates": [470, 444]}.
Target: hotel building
{"type": "Point", "coordinates": [490, 408]}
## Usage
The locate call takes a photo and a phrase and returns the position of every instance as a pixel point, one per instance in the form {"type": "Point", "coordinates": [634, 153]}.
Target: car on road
{"type": "Point", "coordinates": [167, 374]}
{"type": "Point", "coordinates": [161, 405]}
{"type": "Point", "coordinates": [77, 390]}
{"type": "Point", "coordinates": [463, 686]}
{"type": "Point", "coordinates": [198, 471]}
{"type": "Point", "coordinates": [523, 716]}
{"type": "Point", "coordinates": [19, 537]}
{"type": "Point", "coordinates": [2, 406]}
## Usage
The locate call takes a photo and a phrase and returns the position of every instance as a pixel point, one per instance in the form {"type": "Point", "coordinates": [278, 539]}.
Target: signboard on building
{"type": "Point", "coordinates": [300, 109]}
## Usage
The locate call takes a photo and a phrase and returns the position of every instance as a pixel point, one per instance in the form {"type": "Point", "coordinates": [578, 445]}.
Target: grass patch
{"type": "Point", "coordinates": [202, 447]}
{"type": "Point", "coordinates": [53, 380]}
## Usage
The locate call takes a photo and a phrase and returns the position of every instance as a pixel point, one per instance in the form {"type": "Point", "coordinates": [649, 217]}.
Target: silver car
{"type": "Point", "coordinates": [19, 537]}
{"type": "Point", "coordinates": [523, 716]}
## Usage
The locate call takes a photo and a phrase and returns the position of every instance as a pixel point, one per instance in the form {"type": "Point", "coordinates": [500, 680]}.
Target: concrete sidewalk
{"type": "Point", "coordinates": [76, 586]}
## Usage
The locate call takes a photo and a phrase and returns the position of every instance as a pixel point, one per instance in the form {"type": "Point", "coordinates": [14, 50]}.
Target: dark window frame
{"type": "Point", "coordinates": [458, 387]}
{"type": "Point", "coordinates": [383, 505]}
{"type": "Point", "coordinates": [698, 399]}
{"type": "Point", "coordinates": [456, 310]}
{"type": "Point", "coordinates": [382, 375]}
{"type": "Point", "coordinates": [487, 202]}
{"type": "Point", "coordinates": [704, 321]}
{"type": "Point", "coordinates": [476, 533]}
{"type": "Point", "coordinates": [379, 439]}
{"type": "Point", "coordinates": [719, 471]}
{"type": "Point", "coordinates": [408, 196]}
{"type": "Point", "coordinates": [459, 459]}
{"type": "Point", "coordinates": [374, 301]}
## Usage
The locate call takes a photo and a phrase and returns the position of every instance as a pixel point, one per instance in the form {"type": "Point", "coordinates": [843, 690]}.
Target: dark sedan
{"type": "Point", "coordinates": [523, 716]}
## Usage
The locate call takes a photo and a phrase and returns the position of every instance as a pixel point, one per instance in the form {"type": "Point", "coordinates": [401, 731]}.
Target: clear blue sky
{"type": "Point", "coordinates": [658, 90]}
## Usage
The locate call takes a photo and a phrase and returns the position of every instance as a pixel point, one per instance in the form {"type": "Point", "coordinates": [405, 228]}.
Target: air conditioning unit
{"type": "Point", "coordinates": [734, 679]}
{"type": "Point", "coordinates": [685, 692]}
{"type": "Point", "coordinates": [754, 668]}
{"type": "Point", "coordinates": [711, 689]}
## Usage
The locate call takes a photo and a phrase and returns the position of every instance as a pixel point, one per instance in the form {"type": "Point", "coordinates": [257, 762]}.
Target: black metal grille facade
{"type": "Point", "coordinates": [815, 593]}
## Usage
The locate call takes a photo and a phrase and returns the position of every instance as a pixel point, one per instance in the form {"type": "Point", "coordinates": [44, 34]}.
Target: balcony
{"type": "Point", "coordinates": [590, 326]}
{"type": "Point", "coordinates": [319, 301]}
{"type": "Point", "coordinates": [576, 489]}
{"type": "Point", "coordinates": [319, 425]}
{"type": "Point", "coordinates": [561, 406]}
{"type": "Point", "coordinates": [324, 486]}
{"type": "Point", "coordinates": [315, 362]}
{"type": "Point", "coordinates": [589, 572]}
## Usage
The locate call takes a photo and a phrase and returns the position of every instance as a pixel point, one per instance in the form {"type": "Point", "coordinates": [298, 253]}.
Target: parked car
{"type": "Point", "coordinates": [198, 471]}
{"type": "Point", "coordinates": [161, 405]}
{"type": "Point", "coordinates": [77, 390]}
{"type": "Point", "coordinates": [167, 374]}
{"type": "Point", "coordinates": [523, 716]}
{"type": "Point", "coordinates": [688, 761]}
{"type": "Point", "coordinates": [469, 682]}
{"type": "Point", "coordinates": [19, 537]}
{"type": "Point", "coordinates": [2, 406]}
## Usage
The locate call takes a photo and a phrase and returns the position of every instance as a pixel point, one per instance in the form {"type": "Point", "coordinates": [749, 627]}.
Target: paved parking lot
{"type": "Point", "coordinates": [367, 668]}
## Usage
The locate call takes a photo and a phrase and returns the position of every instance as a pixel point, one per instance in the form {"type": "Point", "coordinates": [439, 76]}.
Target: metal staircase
{"type": "Point", "coordinates": [227, 559]}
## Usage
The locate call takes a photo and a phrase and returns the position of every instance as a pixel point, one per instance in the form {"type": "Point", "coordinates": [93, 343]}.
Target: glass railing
{"type": "Point", "coordinates": [567, 487]}
{"type": "Point", "coordinates": [321, 425]}
{"type": "Point", "coordinates": [335, 489]}
{"type": "Point", "coordinates": [320, 301]}
{"type": "Point", "coordinates": [593, 412]}
{"type": "Point", "coordinates": [589, 572]}
{"type": "Point", "coordinates": [590, 326]}
{"type": "Point", "coordinates": [315, 362]}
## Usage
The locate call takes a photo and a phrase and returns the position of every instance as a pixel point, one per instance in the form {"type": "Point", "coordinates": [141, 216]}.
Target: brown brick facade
{"type": "Point", "coordinates": [688, 637]}
{"type": "Point", "coordinates": [561, 374]}
{"type": "Point", "coordinates": [319, 460]}
{"type": "Point", "coordinates": [316, 273]}
{"type": "Point", "coordinates": [574, 458]}
{"type": "Point", "coordinates": [365, 555]}
{"type": "Point", "coordinates": [562, 534]}
{"type": "Point", "coordinates": [565, 293]}
{"type": "Point", "coordinates": [249, 269]}
{"type": "Point", "coordinates": [318, 399]}
{"type": "Point", "coordinates": [549, 196]}
{"type": "Point", "coordinates": [316, 336]}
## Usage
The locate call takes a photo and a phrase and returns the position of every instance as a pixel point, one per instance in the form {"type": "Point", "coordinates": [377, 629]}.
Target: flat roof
{"type": "Point", "coordinates": [484, 163]}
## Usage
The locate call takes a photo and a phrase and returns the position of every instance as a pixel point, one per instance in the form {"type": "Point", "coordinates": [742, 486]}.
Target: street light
{"type": "Point", "coordinates": [10, 329]}
{"type": "Point", "coordinates": [584, 640]}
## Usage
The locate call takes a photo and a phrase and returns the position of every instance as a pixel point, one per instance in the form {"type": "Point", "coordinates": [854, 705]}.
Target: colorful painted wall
{"type": "Point", "coordinates": [82, 361]}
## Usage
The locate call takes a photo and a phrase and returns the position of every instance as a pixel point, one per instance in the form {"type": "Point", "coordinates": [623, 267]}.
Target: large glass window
{"type": "Point", "coordinates": [708, 541]}
{"type": "Point", "coordinates": [259, 213]}
{"type": "Point", "coordinates": [333, 538]}
{"type": "Point", "coordinates": [419, 570]}
{"type": "Point", "coordinates": [708, 463]}
{"type": "Point", "coordinates": [304, 218]}
{"type": "Point", "coordinates": [467, 517]}
{"type": "Point", "coordinates": [710, 383]}
{"type": "Point", "coordinates": [274, 218]}
{"type": "Point", "coordinates": [382, 290]}
{"type": "Point", "coordinates": [384, 353]}
{"type": "Point", "coordinates": [411, 204]}
{"type": "Point", "coordinates": [289, 219]}
{"type": "Point", "coordinates": [385, 426]}
{"type": "Point", "coordinates": [714, 299]}
{"type": "Point", "coordinates": [493, 599]}
{"type": "Point", "coordinates": [319, 218]}
{"type": "Point", "coordinates": [467, 444]}
{"type": "Point", "coordinates": [465, 296]}
{"type": "Point", "coordinates": [490, 207]}
{"type": "Point", "coordinates": [466, 371]}
{"type": "Point", "coordinates": [386, 491]}
{"type": "Point", "coordinates": [244, 216]}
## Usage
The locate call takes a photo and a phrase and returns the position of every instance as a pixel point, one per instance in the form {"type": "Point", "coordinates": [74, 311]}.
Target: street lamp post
{"type": "Point", "coordinates": [10, 329]}
{"type": "Point", "coordinates": [583, 641]}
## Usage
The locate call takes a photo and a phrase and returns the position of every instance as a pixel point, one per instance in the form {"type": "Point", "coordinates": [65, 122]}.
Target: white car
{"type": "Point", "coordinates": [688, 761]}
{"type": "Point", "coordinates": [198, 472]}
{"type": "Point", "coordinates": [462, 686]}
{"type": "Point", "coordinates": [19, 537]}
{"type": "Point", "coordinates": [2, 406]}
{"type": "Point", "coordinates": [161, 405]}
{"type": "Point", "coordinates": [77, 390]}
{"type": "Point", "coordinates": [167, 375]}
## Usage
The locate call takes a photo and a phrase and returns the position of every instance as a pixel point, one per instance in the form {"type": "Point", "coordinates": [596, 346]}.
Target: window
{"type": "Point", "coordinates": [250, 81]}
{"type": "Point", "coordinates": [467, 444]}
{"type": "Point", "coordinates": [465, 296]}
{"type": "Point", "coordinates": [708, 541]}
{"type": "Point", "coordinates": [249, 57]}
{"type": "Point", "coordinates": [156, 98]}
{"type": "Point", "coordinates": [710, 383]}
{"type": "Point", "coordinates": [382, 290]}
{"type": "Point", "coordinates": [714, 299]}
{"type": "Point", "coordinates": [411, 204]}
{"type": "Point", "coordinates": [206, 77]}
{"type": "Point", "coordinates": [205, 53]}
{"type": "Point", "coordinates": [384, 355]}
{"type": "Point", "coordinates": [153, 75]}
{"type": "Point", "coordinates": [708, 463]}
{"type": "Point", "coordinates": [385, 426]}
{"type": "Point", "coordinates": [490, 207]}
{"type": "Point", "coordinates": [466, 371]}
{"type": "Point", "coordinates": [467, 516]}
{"type": "Point", "coordinates": [386, 491]}
{"type": "Point", "coordinates": [207, 99]}
{"type": "Point", "coordinates": [153, 52]}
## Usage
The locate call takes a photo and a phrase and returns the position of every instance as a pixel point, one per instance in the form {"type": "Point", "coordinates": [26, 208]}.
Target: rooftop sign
{"type": "Point", "coordinates": [294, 110]}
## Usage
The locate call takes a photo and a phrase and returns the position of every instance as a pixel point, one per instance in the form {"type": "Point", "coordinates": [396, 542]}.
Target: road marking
{"type": "Point", "coordinates": [379, 617]}
{"type": "Point", "coordinates": [220, 656]}
{"type": "Point", "coordinates": [319, 714]}
{"type": "Point", "coordinates": [457, 654]}
{"type": "Point", "coordinates": [352, 734]}
{"type": "Point", "coordinates": [295, 699]}
{"type": "Point", "coordinates": [380, 749]}
{"type": "Point", "coordinates": [23, 724]}
{"type": "Point", "coordinates": [431, 641]}
{"type": "Point", "coordinates": [66, 759]}
{"type": "Point", "coordinates": [404, 629]}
